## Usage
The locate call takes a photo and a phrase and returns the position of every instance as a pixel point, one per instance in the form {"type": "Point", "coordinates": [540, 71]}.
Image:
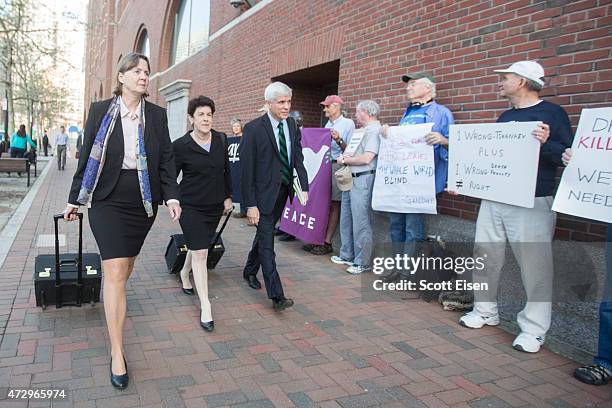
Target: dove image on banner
{"type": "Point", "coordinates": [308, 222]}
{"type": "Point", "coordinates": [585, 189]}
{"type": "Point", "coordinates": [494, 161]}
{"type": "Point", "coordinates": [405, 175]}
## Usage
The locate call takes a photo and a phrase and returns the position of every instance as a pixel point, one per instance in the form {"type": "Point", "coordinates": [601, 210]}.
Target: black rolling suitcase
{"type": "Point", "coordinates": [176, 251]}
{"type": "Point", "coordinates": [67, 279]}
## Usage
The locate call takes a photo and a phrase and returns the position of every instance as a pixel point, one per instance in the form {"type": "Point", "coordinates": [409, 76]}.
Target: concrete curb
{"type": "Point", "coordinates": [12, 227]}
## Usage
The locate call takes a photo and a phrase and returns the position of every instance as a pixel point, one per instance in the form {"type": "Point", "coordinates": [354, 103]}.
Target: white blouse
{"type": "Point", "coordinates": [129, 122]}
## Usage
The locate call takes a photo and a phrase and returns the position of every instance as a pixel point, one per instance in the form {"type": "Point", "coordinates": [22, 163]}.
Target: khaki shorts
{"type": "Point", "coordinates": [336, 194]}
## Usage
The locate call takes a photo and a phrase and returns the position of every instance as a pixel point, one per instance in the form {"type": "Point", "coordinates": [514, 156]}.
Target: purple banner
{"type": "Point", "coordinates": [309, 223]}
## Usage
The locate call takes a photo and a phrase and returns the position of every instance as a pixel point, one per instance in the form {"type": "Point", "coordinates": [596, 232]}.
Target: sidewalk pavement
{"type": "Point", "coordinates": [329, 350]}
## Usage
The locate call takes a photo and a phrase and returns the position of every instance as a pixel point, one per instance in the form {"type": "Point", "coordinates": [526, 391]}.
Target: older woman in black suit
{"type": "Point", "coordinates": [205, 191]}
{"type": "Point", "coordinates": [126, 168]}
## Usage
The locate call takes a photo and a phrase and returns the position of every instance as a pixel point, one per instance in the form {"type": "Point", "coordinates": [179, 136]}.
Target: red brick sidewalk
{"type": "Point", "coordinates": [330, 350]}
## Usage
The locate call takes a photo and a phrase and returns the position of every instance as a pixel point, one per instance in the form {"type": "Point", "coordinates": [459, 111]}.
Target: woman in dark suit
{"type": "Point", "coordinates": [205, 191]}
{"type": "Point", "coordinates": [126, 168]}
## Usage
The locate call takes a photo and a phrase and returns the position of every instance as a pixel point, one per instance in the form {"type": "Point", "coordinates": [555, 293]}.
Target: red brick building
{"type": "Point", "coordinates": [359, 49]}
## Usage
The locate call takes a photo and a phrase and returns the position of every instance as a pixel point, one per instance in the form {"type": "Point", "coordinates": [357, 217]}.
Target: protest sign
{"type": "Point", "coordinates": [354, 142]}
{"type": "Point", "coordinates": [585, 189]}
{"type": "Point", "coordinates": [494, 161]}
{"type": "Point", "coordinates": [309, 222]}
{"type": "Point", "coordinates": [405, 173]}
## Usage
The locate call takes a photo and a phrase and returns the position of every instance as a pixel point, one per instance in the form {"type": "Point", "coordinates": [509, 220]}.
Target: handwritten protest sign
{"type": "Point", "coordinates": [494, 161]}
{"type": "Point", "coordinates": [585, 188]}
{"type": "Point", "coordinates": [405, 176]}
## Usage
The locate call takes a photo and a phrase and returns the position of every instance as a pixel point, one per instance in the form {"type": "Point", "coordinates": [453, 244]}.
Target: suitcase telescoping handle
{"type": "Point", "coordinates": [222, 228]}
{"type": "Point", "coordinates": [79, 261]}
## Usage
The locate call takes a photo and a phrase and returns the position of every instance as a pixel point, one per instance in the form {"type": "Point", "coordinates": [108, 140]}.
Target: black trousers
{"type": "Point", "coordinates": [262, 252]}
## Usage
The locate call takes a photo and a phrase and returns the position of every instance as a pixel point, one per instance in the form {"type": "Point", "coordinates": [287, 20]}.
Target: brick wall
{"type": "Point", "coordinates": [459, 42]}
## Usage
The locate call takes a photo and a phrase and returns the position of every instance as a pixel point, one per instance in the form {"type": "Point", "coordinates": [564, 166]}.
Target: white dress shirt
{"type": "Point", "coordinates": [286, 131]}
{"type": "Point", "coordinates": [129, 123]}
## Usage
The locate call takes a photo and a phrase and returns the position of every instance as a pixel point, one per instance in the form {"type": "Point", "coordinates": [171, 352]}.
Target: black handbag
{"type": "Point", "coordinates": [432, 247]}
{"type": "Point", "coordinates": [176, 251]}
{"type": "Point", "coordinates": [67, 279]}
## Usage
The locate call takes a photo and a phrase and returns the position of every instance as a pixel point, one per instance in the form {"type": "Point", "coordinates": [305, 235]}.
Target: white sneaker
{"type": "Point", "coordinates": [357, 269]}
{"type": "Point", "coordinates": [475, 320]}
{"type": "Point", "coordinates": [337, 260]}
{"type": "Point", "coordinates": [528, 343]}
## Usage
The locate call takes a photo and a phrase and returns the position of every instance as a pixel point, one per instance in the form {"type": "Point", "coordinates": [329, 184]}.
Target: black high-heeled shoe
{"type": "Point", "coordinates": [208, 326]}
{"type": "Point", "coordinates": [188, 291]}
{"type": "Point", "coordinates": [119, 381]}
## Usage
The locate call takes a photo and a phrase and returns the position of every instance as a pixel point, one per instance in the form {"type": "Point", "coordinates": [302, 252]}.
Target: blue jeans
{"type": "Point", "coordinates": [407, 227]}
{"type": "Point", "coordinates": [356, 222]}
{"type": "Point", "coordinates": [604, 355]}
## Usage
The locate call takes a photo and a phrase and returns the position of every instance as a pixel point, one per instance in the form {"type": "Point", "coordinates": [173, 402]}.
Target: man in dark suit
{"type": "Point", "coordinates": [270, 151]}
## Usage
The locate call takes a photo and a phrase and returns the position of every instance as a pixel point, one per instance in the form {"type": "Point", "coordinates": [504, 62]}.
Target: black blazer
{"type": "Point", "coordinates": [206, 175]}
{"type": "Point", "coordinates": [160, 160]}
{"type": "Point", "coordinates": [261, 166]}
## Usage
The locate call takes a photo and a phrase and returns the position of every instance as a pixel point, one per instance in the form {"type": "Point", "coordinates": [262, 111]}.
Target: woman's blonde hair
{"type": "Point", "coordinates": [126, 63]}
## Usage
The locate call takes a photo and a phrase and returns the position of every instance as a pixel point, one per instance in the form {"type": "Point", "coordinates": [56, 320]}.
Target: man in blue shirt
{"type": "Point", "coordinates": [341, 130]}
{"type": "Point", "coordinates": [600, 372]}
{"type": "Point", "coordinates": [422, 108]}
{"type": "Point", "coordinates": [61, 142]}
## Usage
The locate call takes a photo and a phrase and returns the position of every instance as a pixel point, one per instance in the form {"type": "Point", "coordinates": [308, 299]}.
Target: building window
{"type": "Point", "coordinates": [191, 26]}
{"type": "Point", "coordinates": [142, 47]}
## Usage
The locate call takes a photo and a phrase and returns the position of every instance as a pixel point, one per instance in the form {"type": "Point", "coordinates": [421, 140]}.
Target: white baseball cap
{"type": "Point", "coordinates": [527, 69]}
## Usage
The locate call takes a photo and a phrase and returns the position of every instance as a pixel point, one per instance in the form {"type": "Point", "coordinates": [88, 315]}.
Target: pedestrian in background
{"type": "Point", "coordinates": [19, 142]}
{"type": "Point", "coordinates": [46, 144]}
{"type": "Point", "coordinates": [61, 144]}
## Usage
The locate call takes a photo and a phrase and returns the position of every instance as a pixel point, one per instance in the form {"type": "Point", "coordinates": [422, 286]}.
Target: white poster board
{"type": "Point", "coordinates": [405, 174]}
{"type": "Point", "coordinates": [586, 186]}
{"type": "Point", "coordinates": [494, 161]}
{"type": "Point", "coordinates": [354, 142]}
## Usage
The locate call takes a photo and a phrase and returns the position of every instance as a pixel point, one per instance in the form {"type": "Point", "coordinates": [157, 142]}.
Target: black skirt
{"type": "Point", "coordinates": [200, 224]}
{"type": "Point", "coordinates": [119, 222]}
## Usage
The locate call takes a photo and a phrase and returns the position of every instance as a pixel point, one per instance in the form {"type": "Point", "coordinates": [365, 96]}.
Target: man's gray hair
{"type": "Point", "coordinates": [431, 85]}
{"type": "Point", "coordinates": [370, 107]}
{"type": "Point", "coordinates": [276, 89]}
{"type": "Point", "coordinates": [233, 121]}
{"type": "Point", "coordinates": [533, 85]}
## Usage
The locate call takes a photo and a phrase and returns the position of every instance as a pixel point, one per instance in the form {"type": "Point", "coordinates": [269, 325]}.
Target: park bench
{"type": "Point", "coordinates": [9, 166]}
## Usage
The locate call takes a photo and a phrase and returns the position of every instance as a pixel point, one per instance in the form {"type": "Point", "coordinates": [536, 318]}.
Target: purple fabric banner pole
{"type": "Point", "coordinates": [309, 223]}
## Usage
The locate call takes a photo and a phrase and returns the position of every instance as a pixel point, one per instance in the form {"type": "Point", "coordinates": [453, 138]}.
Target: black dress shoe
{"type": "Point", "coordinates": [208, 326]}
{"type": "Point", "coordinates": [188, 291]}
{"type": "Point", "coordinates": [286, 238]}
{"type": "Point", "coordinates": [253, 281]}
{"type": "Point", "coordinates": [282, 304]}
{"type": "Point", "coordinates": [278, 232]}
{"type": "Point", "coordinates": [119, 381]}
{"type": "Point", "coordinates": [394, 276]}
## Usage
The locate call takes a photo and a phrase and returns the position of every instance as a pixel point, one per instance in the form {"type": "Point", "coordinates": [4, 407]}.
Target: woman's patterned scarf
{"type": "Point", "coordinates": [95, 162]}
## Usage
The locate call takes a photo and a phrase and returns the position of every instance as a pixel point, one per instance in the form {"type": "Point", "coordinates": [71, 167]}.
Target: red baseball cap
{"type": "Point", "coordinates": [332, 99]}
